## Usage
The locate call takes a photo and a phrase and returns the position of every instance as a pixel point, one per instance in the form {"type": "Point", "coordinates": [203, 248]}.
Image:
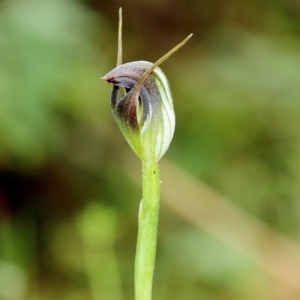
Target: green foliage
{"type": "Point", "coordinates": [46, 70]}
{"type": "Point", "coordinates": [244, 118]}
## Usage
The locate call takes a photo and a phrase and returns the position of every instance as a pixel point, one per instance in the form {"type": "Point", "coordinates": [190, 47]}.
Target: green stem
{"type": "Point", "coordinates": [147, 233]}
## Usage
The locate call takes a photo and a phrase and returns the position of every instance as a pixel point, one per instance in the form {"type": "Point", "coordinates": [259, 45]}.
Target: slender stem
{"type": "Point", "coordinates": [147, 233]}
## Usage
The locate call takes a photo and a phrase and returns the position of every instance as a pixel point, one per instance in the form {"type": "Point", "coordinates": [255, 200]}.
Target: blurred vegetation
{"type": "Point", "coordinates": [68, 211]}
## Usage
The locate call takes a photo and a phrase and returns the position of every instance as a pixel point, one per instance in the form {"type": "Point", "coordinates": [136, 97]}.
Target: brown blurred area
{"type": "Point", "coordinates": [70, 185]}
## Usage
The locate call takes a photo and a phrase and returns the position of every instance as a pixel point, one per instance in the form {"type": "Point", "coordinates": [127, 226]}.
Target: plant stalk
{"type": "Point", "coordinates": [147, 232]}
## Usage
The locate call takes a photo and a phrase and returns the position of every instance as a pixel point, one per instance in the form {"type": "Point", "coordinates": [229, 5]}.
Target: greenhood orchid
{"type": "Point", "coordinates": [142, 105]}
{"type": "Point", "coordinates": [145, 115]}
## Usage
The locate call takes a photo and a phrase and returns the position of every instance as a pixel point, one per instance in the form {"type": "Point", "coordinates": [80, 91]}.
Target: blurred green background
{"type": "Point", "coordinates": [68, 201]}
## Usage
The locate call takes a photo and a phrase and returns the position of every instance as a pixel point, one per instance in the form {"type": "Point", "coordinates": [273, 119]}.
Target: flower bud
{"type": "Point", "coordinates": [145, 113]}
